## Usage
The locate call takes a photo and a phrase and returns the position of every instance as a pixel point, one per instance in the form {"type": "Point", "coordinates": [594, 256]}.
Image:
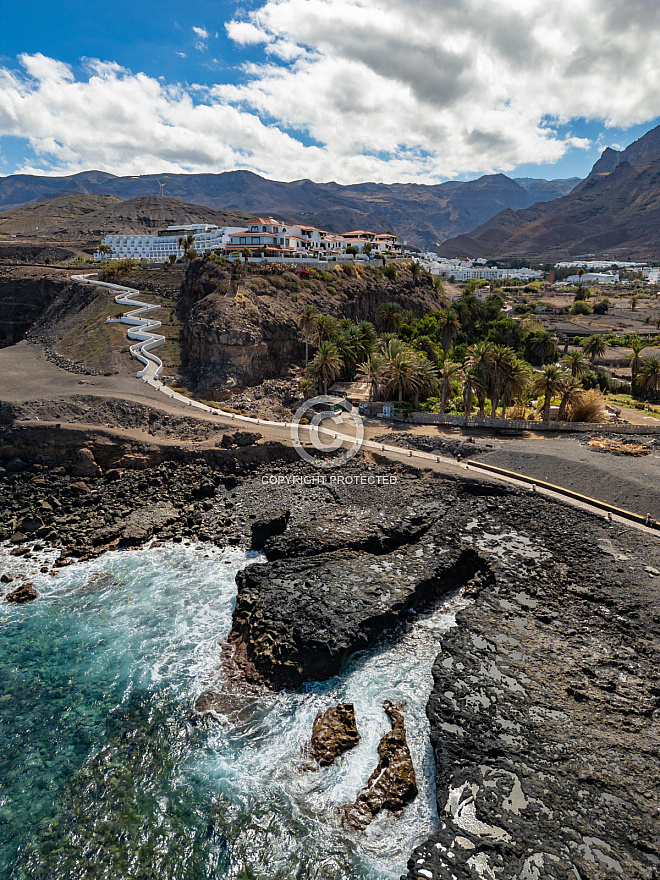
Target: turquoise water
{"type": "Point", "coordinates": [103, 773]}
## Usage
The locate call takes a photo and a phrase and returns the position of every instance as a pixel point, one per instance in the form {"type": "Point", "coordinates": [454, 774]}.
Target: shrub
{"type": "Point", "coordinates": [590, 408]}
{"type": "Point", "coordinates": [601, 308]}
{"type": "Point", "coordinates": [580, 308]}
{"type": "Point", "coordinates": [389, 272]}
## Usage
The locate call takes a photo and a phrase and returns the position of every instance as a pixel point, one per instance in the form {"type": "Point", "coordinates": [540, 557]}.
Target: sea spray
{"type": "Point", "coordinates": [103, 774]}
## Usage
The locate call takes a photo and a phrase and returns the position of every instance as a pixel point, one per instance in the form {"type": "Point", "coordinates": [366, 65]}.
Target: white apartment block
{"type": "Point", "coordinates": [465, 270]}
{"type": "Point", "coordinates": [158, 248]}
{"type": "Point", "coordinates": [594, 278]}
{"type": "Point", "coordinates": [266, 235]}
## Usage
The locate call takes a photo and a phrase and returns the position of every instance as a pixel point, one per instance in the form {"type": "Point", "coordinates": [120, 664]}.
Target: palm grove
{"type": "Point", "coordinates": [463, 358]}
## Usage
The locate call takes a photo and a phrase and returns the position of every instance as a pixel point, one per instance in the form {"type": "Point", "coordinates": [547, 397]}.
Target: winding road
{"type": "Point", "coordinates": [146, 340]}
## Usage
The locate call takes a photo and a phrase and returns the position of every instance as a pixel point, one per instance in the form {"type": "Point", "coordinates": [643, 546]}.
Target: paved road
{"type": "Point", "coordinates": [305, 437]}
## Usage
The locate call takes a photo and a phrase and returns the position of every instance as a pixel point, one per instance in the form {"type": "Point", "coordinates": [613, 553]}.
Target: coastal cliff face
{"type": "Point", "coordinates": [240, 329]}
{"type": "Point", "coordinates": [23, 299]}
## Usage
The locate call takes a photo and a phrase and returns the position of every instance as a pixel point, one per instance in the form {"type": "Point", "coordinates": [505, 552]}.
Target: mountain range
{"type": "Point", "coordinates": [423, 215]}
{"type": "Point", "coordinates": [613, 213]}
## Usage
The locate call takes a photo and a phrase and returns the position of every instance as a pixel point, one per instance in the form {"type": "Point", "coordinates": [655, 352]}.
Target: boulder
{"type": "Point", "coordinates": [15, 466]}
{"type": "Point", "coordinates": [30, 524]}
{"type": "Point", "coordinates": [334, 732]}
{"type": "Point", "coordinates": [84, 464]}
{"type": "Point", "coordinates": [393, 784]}
{"type": "Point", "coordinates": [6, 578]}
{"type": "Point", "coordinates": [270, 523]}
{"type": "Point", "coordinates": [246, 438]}
{"type": "Point", "coordinates": [24, 593]}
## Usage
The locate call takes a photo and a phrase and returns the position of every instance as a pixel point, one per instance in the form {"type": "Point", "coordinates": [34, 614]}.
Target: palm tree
{"type": "Point", "coordinates": [326, 327]}
{"type": "Point", "coordinates": [401, 372]}
{"type": "Point", "coordinates": [548, 382]}
{"type": "Point", "coordinates": [372, 370]}
{"type": "Point", "coordinates": [516, 381]}
{"type": "Point", "coordinates": [307, 320]}
{"type": "Point", "coordinates": [542, 347]}
{"type": "Point", "coordinates": [473, 382]}
{"type": "Point", "coordinates": [408, 317]}
{"type": "Point", "coordinates": [346, 342]}
{"type": "Point", "coordinates": [415, 269]}
{"type": "Point", "coordinates": [388, 316]}
{"type": "Point", "coordinates": [326, 364]}
{"type": "Point", "coordinates": [576, 362]}
{"type": "Point", "coordinates": [449, 372]}
{"type": "Point", "coordinates": [427, 378]}
{"type": "Point", "coordinates": [449, 325]}
{"type": "Point", "coordinates": [367, 337]}
{"type": "Point", "coordinates": [571, 393]}
{"type": "Point", "coordinates": [595, 346]}
{"type": "Point", "coordinates": [648, 376]}
{"type": "Point", "coordinates": [306, 387]}
{"type": "Point", "coordinates": [480, 359]}
{"type": "Point", "coordinates": [390, 345]}
{"type": "Point", "coordinates": [503, 360]}
{"type": "Point", "coordinates": [638, 347]}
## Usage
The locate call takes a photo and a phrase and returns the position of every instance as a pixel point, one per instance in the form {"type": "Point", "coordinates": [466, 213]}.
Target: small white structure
{"type": "Point", "coordinates": [594, 278]}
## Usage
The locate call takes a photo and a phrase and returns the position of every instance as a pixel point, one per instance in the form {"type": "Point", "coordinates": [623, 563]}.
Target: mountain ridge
{"type": "Point", "coordinates": [421, 214]}
{"type": "Point", "coordinates": [613, 212]}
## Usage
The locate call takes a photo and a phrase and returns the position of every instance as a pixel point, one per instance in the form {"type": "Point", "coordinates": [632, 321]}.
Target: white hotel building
{"type": "Point", "coordinates": [266, 235]}
{"type": "Point", "coordinates": [159, 248]}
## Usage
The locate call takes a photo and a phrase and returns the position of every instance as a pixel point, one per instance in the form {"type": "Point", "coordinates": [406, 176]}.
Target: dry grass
{"type": "Point", "coordinates": [617, 446]}
{"type": "Point", "coordinates": [589, 408]}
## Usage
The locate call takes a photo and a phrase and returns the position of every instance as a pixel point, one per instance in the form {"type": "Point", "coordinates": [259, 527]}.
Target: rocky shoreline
{"type": "Point", "coordinates": [545, 711]}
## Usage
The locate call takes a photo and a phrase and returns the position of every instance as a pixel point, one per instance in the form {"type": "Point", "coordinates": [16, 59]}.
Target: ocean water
{"type": "Point", "coordinates": [106, 774]}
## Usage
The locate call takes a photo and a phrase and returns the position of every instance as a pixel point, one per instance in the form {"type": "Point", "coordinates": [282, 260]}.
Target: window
{"type": "Point", "coordinates": [242, 240]}
{"type": "Point", "coordinates": [255, 240]}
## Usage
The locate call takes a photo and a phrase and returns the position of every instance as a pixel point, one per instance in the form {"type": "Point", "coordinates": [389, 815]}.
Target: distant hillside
{"type": "Point", "coordinates": [422, 215]}
{"type": "Point", "coordinates": [615, 212]}
{"type": "Point", "coordinates": [39, 218]}
{"type": "Point", "coordinates": [81, 216]}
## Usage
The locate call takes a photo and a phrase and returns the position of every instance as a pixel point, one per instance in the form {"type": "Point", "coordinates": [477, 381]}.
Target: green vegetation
{"type": "Point", "coordinates": [470, 358]}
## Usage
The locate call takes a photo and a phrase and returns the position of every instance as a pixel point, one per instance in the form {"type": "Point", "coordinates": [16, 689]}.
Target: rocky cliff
{"type": "Point", "coordinates": [24, 296]}
{"type": "Point", "coordinates": [242, 329]}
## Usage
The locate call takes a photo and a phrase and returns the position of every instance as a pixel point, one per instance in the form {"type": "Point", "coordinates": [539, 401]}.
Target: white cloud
{"type": "Point", "coordinates": [246, 33]}
{"type": "Point", "coordinates": [381, 89]}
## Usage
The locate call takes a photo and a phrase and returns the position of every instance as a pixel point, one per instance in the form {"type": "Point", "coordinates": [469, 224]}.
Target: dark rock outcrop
{"type": "Point", "coordinates": [291, 622]}
{"type": "Point", "coordinates": [24, 593]}
{"type": "Point", "coordinates": [374, 531]}
{"type": "Point", "coordinates": [270, 523]}
{"type": "Point", "coordinates": [392, 785]}
{"type": "Point", "coordinates": [334, 732]}
{"type": "Point", "coordinates": [545, 707]}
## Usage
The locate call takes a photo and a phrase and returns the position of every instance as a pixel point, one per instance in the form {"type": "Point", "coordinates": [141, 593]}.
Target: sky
{"type": "Point", "coordinates": [390, 91]}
